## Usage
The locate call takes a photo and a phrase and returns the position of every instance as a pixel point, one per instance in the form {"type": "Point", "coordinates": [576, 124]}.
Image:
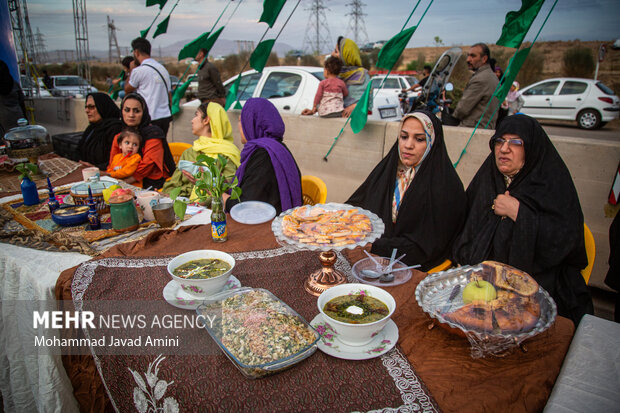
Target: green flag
{"type": "Point", "coordinates": [161, 3]}
{"type": "Point", "coordinates": [518, 23]}
{"type": "Point", "coordinates": [511, 73]}
{"type": "Point", "coordinates": [359, 116]}
{"type": "Point", "coordinates": [271, 10]}
{"type": "Point", "coordinates": [391, 51]}
{"type": "Point", "coordinates": [162, 27]}
{"type": "Point", "coordinates": [232, 93]}
{"type": "Point", "coordinates": [212, 39]}
{"type": "Point", "coordinates": [191, 49]}
{"type": "Point", "coordinates": [144, 32]}
{"type": "Point", "coordinates": [259, 56]}
{"type": "Point", "coordinates": [178, 95]}
{"type": "Point", "coordinates": [238, 105]}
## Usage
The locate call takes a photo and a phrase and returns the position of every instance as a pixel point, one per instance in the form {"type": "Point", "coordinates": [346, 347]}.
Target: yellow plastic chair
{"type": "Point", "coordinates": [590, 251]}
{"type": "Point", "coordinates": [313, 190]}
{"type": "Point", "coordinates": [177, 149]}
{"type": "Point", "coordinates": [441, 267]}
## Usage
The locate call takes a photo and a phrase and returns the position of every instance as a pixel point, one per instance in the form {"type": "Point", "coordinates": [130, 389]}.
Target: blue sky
{"type": "Point", "coordinates": [456, 22]}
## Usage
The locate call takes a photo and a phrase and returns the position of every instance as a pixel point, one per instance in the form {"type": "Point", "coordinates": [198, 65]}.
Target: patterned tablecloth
{"type": "Point", "coordinates": [210, 381]}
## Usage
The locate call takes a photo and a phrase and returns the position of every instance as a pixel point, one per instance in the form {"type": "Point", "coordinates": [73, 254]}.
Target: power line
{"type": "Point", "coordinates": [357, 26]}
{"type": "Point", "coordinates": [317, 38]}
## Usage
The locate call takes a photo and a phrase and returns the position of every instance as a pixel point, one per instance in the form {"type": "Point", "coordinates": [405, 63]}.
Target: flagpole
{"type": "Point", "coordinates": [152, 23]}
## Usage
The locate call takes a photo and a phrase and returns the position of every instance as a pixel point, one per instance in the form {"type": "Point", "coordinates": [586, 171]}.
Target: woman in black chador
{"type": "Point", "coordinates": [417, 193]}
{"type": "Point", "coordinates": [523, 210]}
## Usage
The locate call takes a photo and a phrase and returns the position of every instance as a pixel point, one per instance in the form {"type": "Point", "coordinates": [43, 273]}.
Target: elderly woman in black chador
{"type": "Point", "coordinates": [523, 210]}
{"type": "Point", "coordinates": [417, 193]}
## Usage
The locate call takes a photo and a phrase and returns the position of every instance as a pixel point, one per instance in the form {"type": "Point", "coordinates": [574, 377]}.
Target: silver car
{"type": "Point", "coordinates": [71, 86]}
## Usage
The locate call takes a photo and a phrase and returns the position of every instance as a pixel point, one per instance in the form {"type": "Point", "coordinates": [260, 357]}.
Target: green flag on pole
{"type": "Point", "coordinates": [162, 27]}
{"type": "Point", "coordinates": [232, 93]}
{"type": "Point", "coordinates": [178, 95]}
{"type": "Point", "coordinates": [511, 73]}
{"type": "Point", "coordinates": [211, 40]}
{"type": "Point", "coordinates": [191, 49]}
{"type": "Point", "coordinates": [391, 51]}
{"type": "Point", "coordinates": [271, 10]}
{"type": "Point", "coordinates": [144, 32]}
{"type": "Point", "coordinates": [359, 116]}
{"type": "Point", "coordinates": [161, 3]}
{"type": "Point", "coordinates": [259, 56]}
{"type": "Point", "coordinates": [518, 23]}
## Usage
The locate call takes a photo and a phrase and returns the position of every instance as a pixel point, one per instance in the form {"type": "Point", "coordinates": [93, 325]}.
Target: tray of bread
{"type": "Point", "coordinates": [486, 301]}
{"type": "Point", "coordinates": [324, 227]}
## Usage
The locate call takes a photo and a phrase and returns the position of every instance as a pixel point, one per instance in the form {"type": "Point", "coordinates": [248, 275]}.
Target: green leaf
{"type": "Point", "coordinates": [271, 10]}
{"type": "Point", "coordinates": [175, 193]}
{"type": "Point", "coordinates": [235, 193]}
{"type": "Point", "coordinates": [260, 55]}
{"type": "Point", "coordinates": [359, 116]}
{"type": "Point", "coordinates": [32, 168]}
{"type": "Point", "coordinates": [518, 23]}
{"type": "Point", "coordinates": [179, 209]}
{"type": "Point", "coordinates": [391, 51]}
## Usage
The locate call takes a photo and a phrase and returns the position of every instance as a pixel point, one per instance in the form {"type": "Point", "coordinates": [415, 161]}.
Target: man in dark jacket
{"type": "Point", "coordinates": [479, 90]}
{"type": "Point", "coordinates": [210, 86]}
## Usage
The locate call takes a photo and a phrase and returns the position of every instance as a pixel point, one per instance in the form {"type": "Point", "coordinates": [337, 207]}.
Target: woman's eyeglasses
{"type": "Point", "coordinates": [511, 142]}
{"type": "Point", "coordinates": [90, 107]}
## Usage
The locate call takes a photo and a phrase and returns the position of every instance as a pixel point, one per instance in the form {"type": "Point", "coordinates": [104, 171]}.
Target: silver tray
{"type": "Point", "coordinates": [433, 293]}
{"type": "Point", "coordinates": [377, 229]}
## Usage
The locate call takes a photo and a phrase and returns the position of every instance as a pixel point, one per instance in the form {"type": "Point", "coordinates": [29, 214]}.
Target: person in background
{"type": "Point", "coordinates": [152, 81]}
{"type": "Point", "coordinates": [47, 81]}
{"type": "Point", "coordinates": [329, 98]}
{"type": "Point", "coordinates": [426, 72]}
{"type": "Point", "coordinates": [417, 193]}
{"type": "Point", "coordinates": [12, 106]}
{"type": "Point", "coordinates": [128, 63]}
{"type": "Point", "coordinates": [524, 211]}
{"type": "Point", "coordinates": [124, 164]}
{"type": "Point", "coordinates": [157, 163]}
{"type": "Point", "coordinates": [478, 91]}
{"type": "Point", "coordinates": [268, 171]}
{"type": "Point", "coordinates": [513, 102]}
{"type": "Point", "coordinates": [212, 126]}
{"type": "Point", "coordinates": [210, 87]}
{"type": "Point", "coordinates": [352, 73]}
{"type": "Point", "coordinates": [104, 124]}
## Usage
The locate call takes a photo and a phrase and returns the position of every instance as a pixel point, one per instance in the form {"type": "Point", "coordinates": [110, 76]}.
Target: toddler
{"type": "Point", "coordinates": [124, 164]}
{"type": "Point", "coordinates": [329, 98]}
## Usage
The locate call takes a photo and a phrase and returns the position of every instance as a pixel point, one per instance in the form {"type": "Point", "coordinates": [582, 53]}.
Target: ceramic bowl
{"type": "Point", "coordinates": [356, 334]}
{"type": "Point", "coordinates": [70, 215]}
{"type": "Point", "coordinates": [201, 288]}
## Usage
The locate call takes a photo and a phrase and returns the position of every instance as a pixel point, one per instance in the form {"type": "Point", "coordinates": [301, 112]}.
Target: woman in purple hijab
{"type": "Point", "coordinates": [268, 171]}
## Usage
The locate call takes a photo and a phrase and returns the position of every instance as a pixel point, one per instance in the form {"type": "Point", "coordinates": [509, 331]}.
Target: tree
{"type": "Point", "coordinates": [578, 62]}
{"type": "Point", "coordinates": [438, 41]}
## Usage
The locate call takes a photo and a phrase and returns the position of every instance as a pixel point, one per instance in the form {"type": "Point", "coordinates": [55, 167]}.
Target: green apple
{"type": "Point", "coordinates": [479, 291]}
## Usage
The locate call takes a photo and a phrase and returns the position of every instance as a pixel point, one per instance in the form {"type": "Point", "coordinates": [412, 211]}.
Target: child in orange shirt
{"type": "Point", "coordinates": [124, 164]}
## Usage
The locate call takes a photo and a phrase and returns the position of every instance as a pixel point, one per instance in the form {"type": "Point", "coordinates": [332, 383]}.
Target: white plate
{"type": "Point", "coordinates": [329, 343]}
{"type": "Point", "coordinates": [252, 212]}
{"type": "Point", "coordinates": [174, 294]}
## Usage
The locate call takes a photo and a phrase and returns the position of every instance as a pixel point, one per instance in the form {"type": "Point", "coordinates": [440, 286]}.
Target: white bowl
{"type": "Point", "coordinates": [356, 334]}
{"type": "Point", "coordinates": [201, 288]}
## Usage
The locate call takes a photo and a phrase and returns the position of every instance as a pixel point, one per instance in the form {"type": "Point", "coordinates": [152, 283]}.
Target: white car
{"type": "Point", "coordinates": [292, 88]}
{"type": "Point", "coordinates": [29, 89]}
{"type": "Point", "coordinates": [71, 86]}
{"type": "Point", "coordinates": [587, 101]}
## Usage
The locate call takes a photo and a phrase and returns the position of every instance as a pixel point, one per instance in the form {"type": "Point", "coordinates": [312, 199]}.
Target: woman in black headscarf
{"type": "Point", "coordinates": [104, 118]}
{"type": "Point", "coordinates": [417, 193]}
{"type": "Point", "coordinates": [523, 210]}
{"type": "Point", "coordinates": [11, 100]}
{"type": "Point", "coordinates": [157, 162]}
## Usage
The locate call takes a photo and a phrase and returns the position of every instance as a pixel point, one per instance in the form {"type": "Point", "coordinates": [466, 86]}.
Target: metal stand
{"type": "Point", "coordinates": [326, 277]}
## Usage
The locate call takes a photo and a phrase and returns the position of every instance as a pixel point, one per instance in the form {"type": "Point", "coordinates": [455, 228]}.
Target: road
{"type": "Point", "coordinates": [611, 131]}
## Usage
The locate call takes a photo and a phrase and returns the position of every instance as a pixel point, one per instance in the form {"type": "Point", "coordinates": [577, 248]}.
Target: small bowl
{"type": "Point", "coordinates": [356, 334]}
{"type": "Point", "coordinates": [67, 216]}
{"type": "Point", "coordinates": [201, 288]}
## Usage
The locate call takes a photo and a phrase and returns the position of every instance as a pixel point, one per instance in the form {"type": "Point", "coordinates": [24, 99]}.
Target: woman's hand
{"type": "Point", "coordinates": [347, 111]}
{"type": "Point", "coordinates": [225, 197]}
{"type": "Point", "coordinates": [189, 177]}
{"type": "Point", "coordinates": [131, 180]}
{"type": "Point", "coordinates": [307, 112]}
{"type": "Point", "coordinates": [506, 205]}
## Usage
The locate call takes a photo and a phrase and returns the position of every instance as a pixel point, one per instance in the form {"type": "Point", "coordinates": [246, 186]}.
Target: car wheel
{"type": "Point", "coordinates": [589, 119]}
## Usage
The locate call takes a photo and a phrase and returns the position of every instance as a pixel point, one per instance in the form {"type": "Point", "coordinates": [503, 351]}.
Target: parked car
{"type": "Point", "coordinates": [292, 88]}
{"type": "Point", "coordinates": [30, 90]}
{"type": "Point", "coordinates": [394, 84]}
{"type": "Point", "coordinates": [71, 86]}
{"type": "Point", "coordinates": [587, 101]}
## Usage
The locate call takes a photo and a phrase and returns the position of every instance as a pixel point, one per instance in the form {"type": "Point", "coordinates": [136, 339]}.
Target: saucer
{"type": "Point", "coordinates": [252, 212]}
{"type": "Point", "coordinates": [329, 343]}
{"type": "Point", "coordinates": [174, 294]}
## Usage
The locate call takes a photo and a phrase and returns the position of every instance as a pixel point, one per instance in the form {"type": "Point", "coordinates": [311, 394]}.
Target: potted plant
{"type": "Point", "coordinates": [28, 187]}
{"type": "Point", "coordinates": [209, 187]}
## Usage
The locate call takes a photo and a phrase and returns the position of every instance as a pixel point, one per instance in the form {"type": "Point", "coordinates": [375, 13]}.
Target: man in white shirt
{"type": "Point", "coordinates": [152, 81]}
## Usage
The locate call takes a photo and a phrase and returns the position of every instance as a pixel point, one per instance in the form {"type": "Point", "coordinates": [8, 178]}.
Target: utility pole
{"type": "Point", "coordinates": [112, 43]}
{"type": "Point", "coordinates": [40, 46]}
{"type": "Point", "coordinates": [317, 38]}
{"type": "Point", "coordinates": [356, 25]}
{"type": "Point", "coordinates": [26, 52]}
{"type": "Point", "coordinates": [244, 45]}
{"type": "Point", "coordinates": [80, 24]}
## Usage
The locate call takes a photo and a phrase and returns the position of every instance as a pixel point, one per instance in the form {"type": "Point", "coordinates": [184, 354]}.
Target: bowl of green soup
{"type": "Point", "coordinates": [201, 273]}
{"type": "Point", "coordinates": [357, 312]}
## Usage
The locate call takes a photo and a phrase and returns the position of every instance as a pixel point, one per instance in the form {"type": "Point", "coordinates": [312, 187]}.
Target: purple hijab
{"type": "Point", "coordinates": [263, 128]}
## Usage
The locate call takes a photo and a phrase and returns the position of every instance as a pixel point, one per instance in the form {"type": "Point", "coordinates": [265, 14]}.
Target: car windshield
{"type": "Point", "coordinates": [246, 86]}
{"type": "Point", "coordinates": [412, 80]}
{"type": "Point", "coordinates": [280, 84]}
{"type": "Point", "coordinates": [604, 88]}
{"type": "Point", "coordinates": [70, 81]}
{"type": "Point", "coordinates": [390, 83]}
